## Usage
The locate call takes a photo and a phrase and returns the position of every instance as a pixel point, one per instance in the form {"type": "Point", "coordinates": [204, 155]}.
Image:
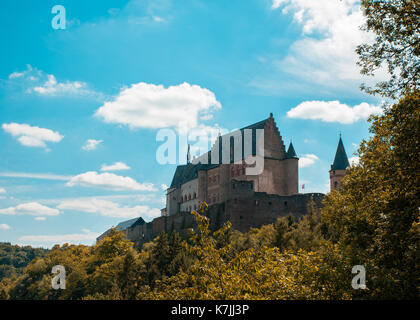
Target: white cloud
{"type": "Point", "coordinates": [91, 144]}
{"type": "Point", "coordinates": [109, 208]}
{"type": "Point", "coordinates": [117, 166]}
{"type": "Point", "coordinates": [50, 240]}
{"type": "Point", "coordinates": [164, 187]}
{"type": "Point", "coordinates": [30, 208]}
{"type": "Point", "coordinates": [307, 160]}
{"type": "Point", "coordinates": [36, 81]}
{"type": "Point", "coordinates": [333, 111]}
{"type": "Point", "coordinates": [4, 226]}
{"type": "Point", "coordinates": [32, 136]}
{"type": "Point", "coordinates": [325, 53]}
{"type": "Point", "coordinates": [2, 190]}
{"type": "Point", "coordinates": [52, 87]}
{"type": "Point", "coordinates": [108, 181]}
{"type": "Point", "coordinates": [354, 161]}
{"type": "Point", "coordinates": [40, 218]}
{"type": "Point", "coordinates": [42, 176]}
{"type": "Point", "coordinates": [15, 75]}
{"type": "Point", "coordinates": [158, 19]}
{"type": "Point", "coordinates": [146, 105]}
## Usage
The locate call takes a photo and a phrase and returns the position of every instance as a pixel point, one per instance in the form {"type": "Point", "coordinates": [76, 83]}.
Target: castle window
{"type": "Point", "coordinates": [285, 203]}
{"type": "Point", "coordinates": [189, 197]}
{"type": "Point", "coordinates": [269, 203]}
{"type": "Point", "coordinates": [334, 173]}
{"type": "Point", "coordinates": [195, 195]}
{"type": "Point", "coordinates": [335, 184]}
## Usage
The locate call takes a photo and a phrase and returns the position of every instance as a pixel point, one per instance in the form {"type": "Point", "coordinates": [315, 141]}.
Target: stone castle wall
{"type": "Point", "coordinates": [245, 209]}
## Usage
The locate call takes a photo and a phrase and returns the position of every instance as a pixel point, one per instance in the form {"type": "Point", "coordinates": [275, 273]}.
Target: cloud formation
{"type": "Point", "coordinates": [108, 181]}
{"type": "Point", "coordinates": [4, 226]}
{"type": "Point", "coordinates": [109, 209]}
{"type": "Point", "coordinates": [91, 144]}
{"type": "Point", "coordinates": [32, 136]}
{"type": "Point", "coordinates": [42, 176]}
{"type": "Point", "coordinates": [146, 105]}
{"type": "Point", "coordinates": [34, 81]}
{"type": "Point", "coordinates": [86, 237]}
{"type": "Point", "coordinates": [325, 53]}
{"type": "Point", "coordinates": [307, 160]}
{"type": "Point", "coordinates": [117, 166]}
{"type": "Point", "coordinates": [30, 208]}
{"type": "Point", "coordinates": [333, 111]}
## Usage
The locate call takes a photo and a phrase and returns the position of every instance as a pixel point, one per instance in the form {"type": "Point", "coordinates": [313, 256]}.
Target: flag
{"type": "Point", "coordinates": [303, 186]}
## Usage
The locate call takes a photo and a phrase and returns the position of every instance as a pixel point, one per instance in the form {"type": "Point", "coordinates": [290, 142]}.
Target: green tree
{"type": "Point", "coordinates": [396, 25]}
{"type": "Point", "coordinates": [375, 216]}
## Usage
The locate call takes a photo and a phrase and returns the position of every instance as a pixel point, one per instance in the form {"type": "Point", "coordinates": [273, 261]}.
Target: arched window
{"type": "Point", "coordinates": [195, 195]}
{"type": "Point", "coordinates": [189, 196]}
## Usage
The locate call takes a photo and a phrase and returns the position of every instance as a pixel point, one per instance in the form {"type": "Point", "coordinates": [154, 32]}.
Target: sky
{"type": "Point", "coordinates": [81, 105]}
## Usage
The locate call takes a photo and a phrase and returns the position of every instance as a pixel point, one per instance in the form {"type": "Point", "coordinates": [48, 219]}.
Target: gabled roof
{"type": "Point", "coordinates": [291, 153]}
{"type": "Point", "coordinates": [129, 223]}
{"type": "Point", "coordinates": [341, 162]}
{"type": "Point", "coordinates": [188, 172]}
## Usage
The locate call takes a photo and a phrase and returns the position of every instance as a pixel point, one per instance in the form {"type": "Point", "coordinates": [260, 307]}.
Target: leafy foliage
{"type": "Point", "coordinates": [396, 24]}
{"type": "Point", "coordinates": [14, 258]}
{"type": "Point", "coordinates": [375, 217]}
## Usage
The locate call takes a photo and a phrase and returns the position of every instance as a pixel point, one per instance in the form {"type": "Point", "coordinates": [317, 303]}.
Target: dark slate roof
{"type": "Point", "coordinates": [291, 153]}
{"type": "Point", "coordinates": [341, 162]}
{"type": "Point", "coordinates": [188, 172]}
{"type": "Point", "coordinates": [129, 223]}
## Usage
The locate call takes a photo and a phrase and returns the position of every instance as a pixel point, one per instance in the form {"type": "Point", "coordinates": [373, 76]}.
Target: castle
{"type": "Point", "coordinates": [247, 178]}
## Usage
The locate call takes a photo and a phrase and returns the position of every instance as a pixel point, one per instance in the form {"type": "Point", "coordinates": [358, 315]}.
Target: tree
{"type": "Point", "coordinates": [396, 24]}
{"type": "Point", "coordinates": [375, 216]}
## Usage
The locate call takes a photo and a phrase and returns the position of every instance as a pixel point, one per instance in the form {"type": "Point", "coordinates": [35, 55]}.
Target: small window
{"type": "Point", "coordinates": [256, 202]}
{"type": "Point", "coordinates": [335, 184]}
{"type": "Point", "coordinates": [285, 203]}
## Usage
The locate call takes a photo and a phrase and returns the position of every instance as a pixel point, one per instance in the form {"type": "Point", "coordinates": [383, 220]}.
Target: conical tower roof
{"type": "Point", "coordinates": [341, 162]}
{"type": "Point", "coordinates": [291, 153]}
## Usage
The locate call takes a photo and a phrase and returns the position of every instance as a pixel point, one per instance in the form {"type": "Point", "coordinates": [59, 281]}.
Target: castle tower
{"type": "Point", "coordinates": [291, 175]}
{"type": "Point", "coordinates": [339, 167]}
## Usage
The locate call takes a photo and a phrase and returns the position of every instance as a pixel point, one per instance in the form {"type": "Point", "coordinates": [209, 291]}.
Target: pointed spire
{"type": "Point", "coordinates": [291, 153]}
{"type": "Point", "coordinates": [341, 162]}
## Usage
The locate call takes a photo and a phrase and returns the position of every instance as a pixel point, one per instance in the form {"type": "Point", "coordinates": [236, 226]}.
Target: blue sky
{"type": "Point", "coordinates": [80, 107]}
